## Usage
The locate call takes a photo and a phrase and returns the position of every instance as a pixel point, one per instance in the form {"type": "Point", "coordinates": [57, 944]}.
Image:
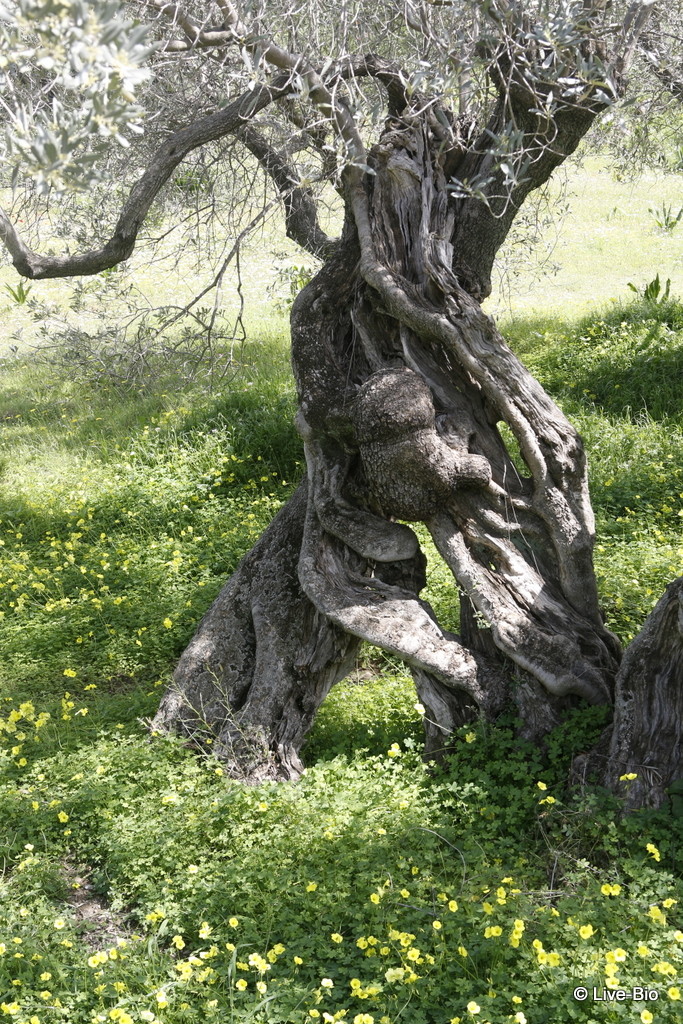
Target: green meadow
{"type": "Point", "coordinates": [139, 883]}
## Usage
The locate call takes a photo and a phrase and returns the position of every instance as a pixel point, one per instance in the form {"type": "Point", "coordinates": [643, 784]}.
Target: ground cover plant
{"type": "Point", "coordinates": [140, 883]}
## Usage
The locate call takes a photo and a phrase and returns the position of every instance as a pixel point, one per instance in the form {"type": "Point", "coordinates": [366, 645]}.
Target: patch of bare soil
{"type": "Point", "coordinates": [100, 926]}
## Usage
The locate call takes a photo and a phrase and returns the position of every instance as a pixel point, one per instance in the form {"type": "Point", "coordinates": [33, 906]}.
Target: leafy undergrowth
{"type": "Point", "coordinates": [376, 889]}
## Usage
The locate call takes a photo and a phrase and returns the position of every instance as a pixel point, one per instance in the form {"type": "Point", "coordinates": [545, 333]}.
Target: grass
{"type": "Point", "coordinates": [599, 237]}
{"type": "Point", "coordinates": [139, 884]}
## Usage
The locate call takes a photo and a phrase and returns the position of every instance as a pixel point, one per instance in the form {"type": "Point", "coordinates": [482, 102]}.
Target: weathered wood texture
{"type": "Point", "coordinates": [418, 394]}
{"type": "Point", "coordinates": [647, 737]}
{"type": "Point", "coordinates": [261, 662]}
{"type": "Point", "coordinates": [402, 382]}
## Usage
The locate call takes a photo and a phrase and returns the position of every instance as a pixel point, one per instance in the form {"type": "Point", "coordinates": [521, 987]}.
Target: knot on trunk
{"type": "Point", "coordinates": [411, 469]}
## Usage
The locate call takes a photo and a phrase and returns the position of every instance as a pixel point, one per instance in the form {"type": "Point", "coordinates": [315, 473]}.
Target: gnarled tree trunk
{"type": "Point", "coordinates": [261, 662]}
{"type": "Point", "coordinates": [647, 734]}
{"type": "Point", "coordinates": [402, 383]}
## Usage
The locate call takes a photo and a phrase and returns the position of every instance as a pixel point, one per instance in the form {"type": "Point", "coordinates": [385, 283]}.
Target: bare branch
{"type": "Point", "coordinates": [671, 80]}
{"type": "Point", "coordinates": [196, 36]}
{"type": "Point", "coordinates": [322, 95]}
{"type": "Point", "coordinates": [394, 80]}
{"type": "Point", "coordinates": [301, 218]}
{"type": "Point", "coordinates": [664, 63]}
{"type": "Point", "coordinates": [632, 30]}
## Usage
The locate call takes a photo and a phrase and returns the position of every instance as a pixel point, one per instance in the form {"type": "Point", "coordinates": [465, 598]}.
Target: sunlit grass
{"type": "Point", "coordinates": [607, 239]}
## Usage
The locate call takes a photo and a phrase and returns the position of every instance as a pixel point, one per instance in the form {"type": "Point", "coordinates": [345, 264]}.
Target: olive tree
{"type": "Point", "coordinates": [433, 121]}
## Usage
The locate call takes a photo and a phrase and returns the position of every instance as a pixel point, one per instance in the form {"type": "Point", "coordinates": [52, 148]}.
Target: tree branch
{"type": "Point", "coordinates": [660, 65]}
{"type": "Point", "coordinates": [672, 82]}
{"type": "Point", "coordinates": [633, 28]}
{"type": "Point", "coordinates": [320, 93]}
{"type": "Point", "coordinates": [120, 246]}
{"type": "Point", "coordinates": [300, 213]}
{"type": "Point", "coordinates": [196, 36]}
{"type": "Point", "coordinates": [390, 74]}
{"type": "Point", "coordinates": [550, 109]}
{"type": "Point", "coordinates": [301, 219]}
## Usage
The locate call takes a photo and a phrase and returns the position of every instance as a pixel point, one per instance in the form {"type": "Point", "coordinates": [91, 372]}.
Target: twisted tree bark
{"type": "Point", "coordinates": [261, 662]}
{"type": "Point", "coordinates": [402, 381]}
{"type": "Point", "coordinates": [647, 735]}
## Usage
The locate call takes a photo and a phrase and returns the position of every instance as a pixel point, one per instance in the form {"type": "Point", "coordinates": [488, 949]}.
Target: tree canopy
{"type": "Point", "coordinates": [81, 80]}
